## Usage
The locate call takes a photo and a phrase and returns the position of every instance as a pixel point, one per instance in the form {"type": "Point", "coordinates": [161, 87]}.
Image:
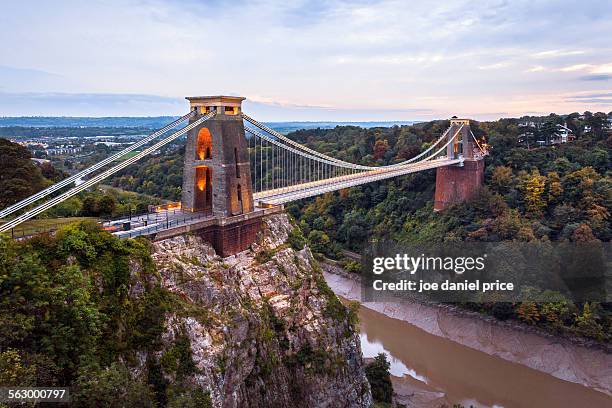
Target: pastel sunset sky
{"type": "Point", "coordinates": [307, 60]}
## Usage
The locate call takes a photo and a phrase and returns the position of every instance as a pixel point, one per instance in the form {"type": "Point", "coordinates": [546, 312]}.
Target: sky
{"type": "Point", "coordinates": [307, 60]}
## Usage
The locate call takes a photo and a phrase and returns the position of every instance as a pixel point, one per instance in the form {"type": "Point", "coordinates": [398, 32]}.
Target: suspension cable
{"type": "Point", "coordinates": [94, 180]}
{"type": "Point", "coordinates": [43, 193]}
{"type": "Point", "coordinates": [342, 163]}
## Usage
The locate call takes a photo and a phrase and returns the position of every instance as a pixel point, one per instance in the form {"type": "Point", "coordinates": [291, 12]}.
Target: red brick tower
{"type": "Point", "coordinates": [459, 183]}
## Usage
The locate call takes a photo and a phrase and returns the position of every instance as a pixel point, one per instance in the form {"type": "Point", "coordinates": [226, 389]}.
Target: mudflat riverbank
{"type": "Point", "coordinates": [440, 356]}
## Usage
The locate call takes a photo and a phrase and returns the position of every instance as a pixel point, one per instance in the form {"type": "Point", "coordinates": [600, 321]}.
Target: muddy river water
{"type": "Point", "coordinates": [430, 370]}
{"type": "Point", "coordinates": [463, 375]}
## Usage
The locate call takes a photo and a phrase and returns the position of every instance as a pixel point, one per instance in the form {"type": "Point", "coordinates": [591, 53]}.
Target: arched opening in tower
{"type": "Point", "coordinates": [204, 144]}
{"type": "Point", "coordinates": [240, 202]}
{"type": "Point", "coordinates": [203, 193]}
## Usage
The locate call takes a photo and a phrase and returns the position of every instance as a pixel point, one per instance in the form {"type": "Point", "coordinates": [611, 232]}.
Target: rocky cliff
{"type": "Point", "coordinates": [258, 329]}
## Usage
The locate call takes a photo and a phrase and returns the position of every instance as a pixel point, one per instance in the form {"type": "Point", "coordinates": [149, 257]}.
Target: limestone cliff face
{"type": "Point", "coordinates": [263, 328]}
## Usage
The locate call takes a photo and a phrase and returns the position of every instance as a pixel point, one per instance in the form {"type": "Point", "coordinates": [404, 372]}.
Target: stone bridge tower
{"type": "Point", "coordinates": [459, 183]}
{"type": "Point", "coordinates": [217, 175]}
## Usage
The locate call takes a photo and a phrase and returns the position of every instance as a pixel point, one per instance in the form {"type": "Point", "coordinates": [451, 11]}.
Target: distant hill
{"type": "Point", "coordinates": [287, 127]}
{"type": "Point", "coordinates": [155, 122]}
{"type": "Point", "coordinates": [68, 121]}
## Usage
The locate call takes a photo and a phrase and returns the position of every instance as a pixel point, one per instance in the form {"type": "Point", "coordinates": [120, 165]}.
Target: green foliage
{"type": "Point", "coordinates": [111, 387]}
{"type": "Point", "coordinates": [67, 317]}
{"type": "Point", "coordinates": [13, 371]}
{"type": "Point", "coordinates": [334, 309]}
{"type": "Point", "coordinates": [353, 314]}
{"type": "Point", "coordinates": [159, 176]}
{"type": "Point", "coordinates": [379, 378]}
{"type": "Point", "coordinates": [191, 399]}
{"type": "Point", "coordinates": [351, 266]}
{"type": "Point", "coordinates": [530, 194]}
{"type": "Point", "coordinates": [587, 323]}
{"type": "Point", "coordinates": [178, 359]}
{"type": "Point", "coordinates": [22, 177]}
{"type": "Point", "coordinates": [264, 256]}
{"type": "Point", "coordinates": [296, 239]}
{"type": "Point", "coordinates": [313, 360]}
{"type": "Point", "coordinates": [319, 241]}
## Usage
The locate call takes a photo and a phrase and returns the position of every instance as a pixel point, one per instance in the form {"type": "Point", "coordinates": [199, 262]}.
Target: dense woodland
{"type": "Point", "coordinates": [552, 193]}
{"type": "Point", "coordinates": [67, 319]}
{"type": "Point", "coordinates": [25, 177]}
{"type": "Point", "coordinates": [555, 192]}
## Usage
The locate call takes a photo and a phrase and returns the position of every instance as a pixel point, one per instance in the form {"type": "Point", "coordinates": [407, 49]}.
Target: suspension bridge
{"type": "Point", "coordinates": [237, 169]}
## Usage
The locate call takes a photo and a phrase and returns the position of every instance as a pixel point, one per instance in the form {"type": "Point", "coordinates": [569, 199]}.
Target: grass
{"type": "Point", "coordinates": [127, 156]}
{"type": "Point", "coordinates": [36, 226]}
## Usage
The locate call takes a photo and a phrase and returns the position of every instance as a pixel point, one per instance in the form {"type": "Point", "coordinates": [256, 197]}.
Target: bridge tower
{"type": "Point", "coordinates": [217, 175]}
{"type": "Point", "coordinates": [459, 183]}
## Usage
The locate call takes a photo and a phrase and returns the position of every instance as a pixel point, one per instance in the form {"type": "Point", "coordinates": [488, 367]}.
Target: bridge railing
{"type": "Point", "coordinates": [162, 225]}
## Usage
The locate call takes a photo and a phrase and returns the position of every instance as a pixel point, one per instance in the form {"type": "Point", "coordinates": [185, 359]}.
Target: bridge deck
{"type": "Point", "coordinates": [297, 192]}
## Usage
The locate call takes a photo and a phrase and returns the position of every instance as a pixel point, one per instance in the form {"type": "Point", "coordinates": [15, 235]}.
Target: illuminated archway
{"type": "Point", "coordinates": [204, 144]}
{"type": "Point", "coordinates": [203, 193]}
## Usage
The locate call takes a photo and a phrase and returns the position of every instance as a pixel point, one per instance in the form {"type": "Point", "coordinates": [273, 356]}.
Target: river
{"type": "Point", "coordinates": [430, 370]}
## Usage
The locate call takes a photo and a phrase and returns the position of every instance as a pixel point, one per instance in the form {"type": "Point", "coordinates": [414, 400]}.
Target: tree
{"type": "Point", "coordinates": [528, 312]}
{"type": "Point", "coordinates": [107, 205]}
{"type": "Point", "coordinates": [554, 187]}
{"type": "Point", "coordinates": [13, 371]}
{"type": "Point", "coordinates": [21, 178]}
{"type": "Point", "coordinates": [319, 241]}
{"type": "Point", "coordinates": [583, 234]}
{"type": "Point", "coordinates": [587, 324]}
{"type": "Point", "coordinates": [501, 179]}
{"type": "Point", "coordinates": [380, 148]}
{"type": "Point", "coordinates": [533, 189]}
{"type": "Point", "coordinates": [379, 378]}
{"type": "Point", "coordinates": [112, 387]}
{"type": "Point", "coordinates": [90, 207]}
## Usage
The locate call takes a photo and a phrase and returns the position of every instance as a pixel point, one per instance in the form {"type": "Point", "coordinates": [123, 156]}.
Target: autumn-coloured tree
{"type": "Point", "coordinates": [528, 312]}
{"type": "Point", "coordinates": [533, 190]}
{"type": "Point", "coordinates": [583, 233]}
{"type": "Point", "coordinates": [501, 179]}
{"type": "Point", "coordinates": [553, 187]}
{"type": "Point", "coordinates": [380, 148]}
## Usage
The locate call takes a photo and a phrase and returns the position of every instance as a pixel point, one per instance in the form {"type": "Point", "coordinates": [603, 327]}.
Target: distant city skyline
{"type": "Point", "coordinates": [307, 60]}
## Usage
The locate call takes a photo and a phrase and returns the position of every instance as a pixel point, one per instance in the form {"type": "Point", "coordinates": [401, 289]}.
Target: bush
{"type": "Point", "coordinates": [379, 378]}
{"type": "Point", "coordinates": [112, 387]}
{"type": "Point", "coordinates": [587, 324]}
{"type": "Point", "coordinates": [296, 239]}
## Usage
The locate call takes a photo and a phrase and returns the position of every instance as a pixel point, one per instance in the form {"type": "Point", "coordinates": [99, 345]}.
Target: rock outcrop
{"type": "Point", "coordinates": [258, 329]}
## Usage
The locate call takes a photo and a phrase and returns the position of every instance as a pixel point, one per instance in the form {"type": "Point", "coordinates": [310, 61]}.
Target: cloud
{"type": "Point", "coordinates": [77, 104]}
{"type": "Point", "coordinates": [557, 53]}
{"type": "Point", "coordinates": [596, 77]}
{"type": "Point", "coordinates": [494, 66]}
{"type": "Point", "coordinates": [593, 95]}
{"type": "Point", "coordinates": [536, 68]}
{"type": "Point", "coordinates": [602, 69]}
{"type": "Point", "coordinates": [603, 99]}
{"type": "Point", "coordinates": [88, 104]}
{"type": "Point", "coordinates": [369, 55]}
{"type": "Point", "coordinates": [575, 67]}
